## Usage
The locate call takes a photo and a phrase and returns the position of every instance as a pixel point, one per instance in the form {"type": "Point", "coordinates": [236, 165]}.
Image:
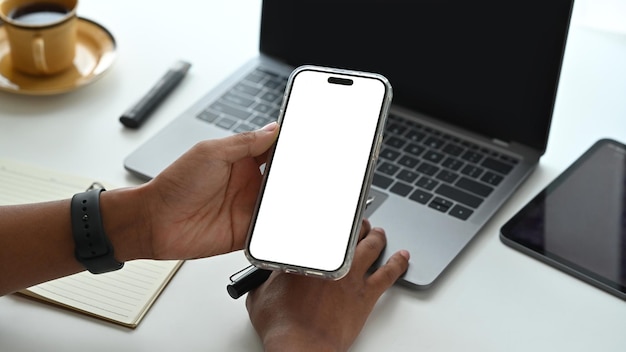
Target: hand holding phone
{"type": "Point", "coordinates": [319, 172]}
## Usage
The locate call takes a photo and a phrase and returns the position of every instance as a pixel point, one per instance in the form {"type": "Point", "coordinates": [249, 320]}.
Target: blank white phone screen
{"type": "Point", "coordinates": [312, 191]}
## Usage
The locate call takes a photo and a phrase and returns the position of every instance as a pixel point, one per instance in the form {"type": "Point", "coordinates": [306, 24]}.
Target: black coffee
{"type": "Point", "coordinates": [41, 13]}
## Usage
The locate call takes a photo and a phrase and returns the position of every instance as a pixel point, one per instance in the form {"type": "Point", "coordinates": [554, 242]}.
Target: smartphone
{"type": "Point", "coordinates": [319, 171]}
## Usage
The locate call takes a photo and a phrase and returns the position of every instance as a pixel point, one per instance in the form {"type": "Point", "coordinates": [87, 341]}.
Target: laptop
{"type": "Point", "coordinates": [474, 85]}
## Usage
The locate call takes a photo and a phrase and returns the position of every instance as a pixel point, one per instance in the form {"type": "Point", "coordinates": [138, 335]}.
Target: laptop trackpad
{"type": "Point", "coordinates": [375, 199]}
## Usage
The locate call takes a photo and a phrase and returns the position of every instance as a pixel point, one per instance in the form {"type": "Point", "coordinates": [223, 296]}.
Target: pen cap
{"type": "Point", "coordinates": [182, 66]}
{"type": "Point", "coordinates": [247, 283]}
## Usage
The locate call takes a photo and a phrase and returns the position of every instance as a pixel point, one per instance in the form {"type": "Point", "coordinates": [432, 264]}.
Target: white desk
{"type": "Point", "coordinates": [492, 299]}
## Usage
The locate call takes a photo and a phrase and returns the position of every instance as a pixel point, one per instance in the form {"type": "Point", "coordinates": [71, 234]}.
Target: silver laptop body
{"type": "Point", "coordinates": [485, 95]}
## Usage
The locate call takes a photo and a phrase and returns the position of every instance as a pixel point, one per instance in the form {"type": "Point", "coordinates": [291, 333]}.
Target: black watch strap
{"type": "Point", "coordinates": [92, 246]}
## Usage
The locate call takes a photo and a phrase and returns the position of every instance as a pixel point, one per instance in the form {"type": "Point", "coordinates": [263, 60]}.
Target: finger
{"type": "Point", "coordinates": [365, 228]}
{"type": "Point", "coordinates": [368, 249]}
{"type": "Point", "coordinates": [246, 144]}
{"type": "Point", "coordinates": [388, 274]}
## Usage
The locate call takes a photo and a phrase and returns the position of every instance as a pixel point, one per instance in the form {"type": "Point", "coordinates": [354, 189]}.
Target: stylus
{"type": "Point", "coordinates": [139, 112]}
{"type": "Point", "coordinates": [246, 280]}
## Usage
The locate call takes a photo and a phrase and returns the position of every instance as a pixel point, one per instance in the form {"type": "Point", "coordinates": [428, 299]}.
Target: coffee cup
{"type": "Point", "coordinates": [41, 34]}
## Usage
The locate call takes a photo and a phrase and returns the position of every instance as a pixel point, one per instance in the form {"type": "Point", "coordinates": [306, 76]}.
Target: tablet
{"type": "Point", "coordinates": [578, 222]}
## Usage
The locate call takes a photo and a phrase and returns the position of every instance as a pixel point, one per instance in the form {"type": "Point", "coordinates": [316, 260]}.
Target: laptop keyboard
{"type": "Point", "coordinates": [425, 165]}
{"type": "Point", "coordinates": [436, 169]}
{"type": "Point", "coordinates": [250, 104]}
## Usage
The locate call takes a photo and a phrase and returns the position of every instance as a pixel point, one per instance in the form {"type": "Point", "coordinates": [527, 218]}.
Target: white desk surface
{"type": "Point", "coordinates": [492, 299]}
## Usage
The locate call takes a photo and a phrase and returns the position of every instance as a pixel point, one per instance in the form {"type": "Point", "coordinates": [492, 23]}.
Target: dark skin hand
{"type": "Point", "coordinates": [201, 206]}
{"type": "Point", "coordinates": [335, 311]}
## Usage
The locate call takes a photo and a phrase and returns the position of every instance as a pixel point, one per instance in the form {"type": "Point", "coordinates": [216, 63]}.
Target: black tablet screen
{"type": "Point", "coordinates": [578, 223]}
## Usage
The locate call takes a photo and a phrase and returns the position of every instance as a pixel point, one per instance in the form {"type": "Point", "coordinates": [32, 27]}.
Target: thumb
{"type": "Point", "coordinates": [249, 144]}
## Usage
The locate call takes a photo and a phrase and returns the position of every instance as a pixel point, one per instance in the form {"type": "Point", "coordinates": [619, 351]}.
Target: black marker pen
{"type": "Point", "coordinates": [247, 280]}
{"type": "Point", "coordinates": [141, 111]}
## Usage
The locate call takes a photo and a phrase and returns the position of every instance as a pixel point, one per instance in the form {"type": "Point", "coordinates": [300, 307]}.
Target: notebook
{"type": "Point", "coordinates": [122, 297]}
{"type": "Point", "coordinates": [474, 85]}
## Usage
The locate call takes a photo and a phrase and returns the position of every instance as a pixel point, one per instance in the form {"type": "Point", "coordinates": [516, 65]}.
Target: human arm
{"type": "Point", "coordinates": [297, 313]}
{"type": "Point", "coordinates": [199, 206]}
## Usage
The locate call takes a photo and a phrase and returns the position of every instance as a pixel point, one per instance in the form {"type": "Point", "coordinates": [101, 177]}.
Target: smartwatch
{"type": "Point", "coordinates": [92, 246]}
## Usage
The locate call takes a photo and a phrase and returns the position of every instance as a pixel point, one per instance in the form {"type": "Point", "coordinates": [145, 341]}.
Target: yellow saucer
{"type": "Point", "coordinates": [95, 52]}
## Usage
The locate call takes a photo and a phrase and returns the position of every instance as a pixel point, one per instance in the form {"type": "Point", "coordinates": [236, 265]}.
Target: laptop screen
{"type": "Point", "coordinates": [490, 66]}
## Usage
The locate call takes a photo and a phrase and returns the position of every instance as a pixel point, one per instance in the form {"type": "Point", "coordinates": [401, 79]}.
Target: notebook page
{"type": "Point", "coordinates": [122, 296]}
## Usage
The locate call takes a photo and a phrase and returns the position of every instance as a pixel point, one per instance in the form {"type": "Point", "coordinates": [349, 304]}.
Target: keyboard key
{"type": "Point", "coordinates": [434, 143]}
{"type": "Point", "coordinates": [273, 114]}
{"type": "Point", "coordinates": [427, 183]}
{"type": "Point", "coordinates": [260, 121]}
{"type": "Point", "coordinates": [388, 168]}
{"type": "Point", "coordinates": [394, 142]}
{"type": "Point", "coordinates": [497, 166]}
{"type": "Point", "coordinates": [409, 162]}
{"type": "Point", "coordinates": [401, 189]}
{"type": "Point", "coordinates": [256, 76]}
{"type": "Point", "coordinates": [273, 83]}
{"type": "Point", "coordinates": [447, 176]}
{"type": "Point", "coordinates": [381, 181]}
{"type": "Point", "coordinates": [263, 108]}
{"type": "Point", "coordinates": [440, 204]}
{"type": "Point", "coordinates": [458, 195]}
{"type": "Point", "coordinates": [509, 159]}
{"type": "Point", "coordinates": [453, 149]}
{"type": "Point", "coordinates": [246, 89]}
{"type": "Point", "coordinates": [229, 110]}
{"type": "Point", "coordinates": [433, 156]}
{"type": "Point", "coordinates": [268, 73]}
{"type": "Point", "coordinates": [427, 169]}
{"type": "Point", "coordinates": [453, 164]}
{"type": "Point", "coordinates": [461, 212]}
{"type": "Point", "coordinates": [389, 154]}
{"type": "Point", "coordinates": [414, 149]}
{"type": "Point", "coordinates": [236, 99]}
{"type": "Point", "coordinates": [226, 123]}
{"type": "Point", "coordinates": [396, 128]}
{"type": "Point", "coordinates": [472, 171]}
{"type": "Point", "coordinates": [472, 156]}
{"type": "Point", "coordinates": [244, 127]}
{"type": "Point", "coordinates": [208, 116]}
{"type": "Point", "coordinates": [474, 187]}
{"type": "Point", "coordinates": [416, 136]}
{"type": "Point", "coordinates": [491, 178]}
{"type": "Point", "coordinates": [420, 196]}
{"type": "Point", "coordinates": [269, 97]}
{"type": "Point", "coordinates": [407, 176]}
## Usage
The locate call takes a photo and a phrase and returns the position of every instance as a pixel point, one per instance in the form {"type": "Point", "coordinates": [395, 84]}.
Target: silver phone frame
{"type": "Point", "coordinates": [367, 180]}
